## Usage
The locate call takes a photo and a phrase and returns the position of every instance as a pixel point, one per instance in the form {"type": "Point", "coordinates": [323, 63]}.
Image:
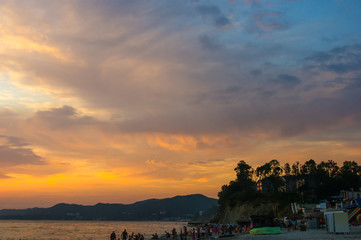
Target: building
{"type": "Point", "coordinates": [350, 195]}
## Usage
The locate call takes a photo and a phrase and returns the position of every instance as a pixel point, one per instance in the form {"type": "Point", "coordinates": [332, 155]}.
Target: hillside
{"type": "Point", "coordinates": [175, 208]}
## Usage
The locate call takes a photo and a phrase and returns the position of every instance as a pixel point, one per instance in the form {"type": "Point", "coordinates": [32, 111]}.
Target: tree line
{"type": "Point", "coordinates": [308, 182]}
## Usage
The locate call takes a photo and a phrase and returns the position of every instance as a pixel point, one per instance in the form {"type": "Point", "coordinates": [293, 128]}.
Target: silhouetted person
{"type": "Point", "coordinates": [124, 235]}
{"type": "Point", "coordinates": [113, 236]}
{"type": "Point", "coordinates": [174, 234]}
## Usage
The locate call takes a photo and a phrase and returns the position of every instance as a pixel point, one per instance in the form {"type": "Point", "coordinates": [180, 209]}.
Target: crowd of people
{"type": "Point", "coordinates": [125, 236]}
{"type": "Point", "coordinates": [196, 233]}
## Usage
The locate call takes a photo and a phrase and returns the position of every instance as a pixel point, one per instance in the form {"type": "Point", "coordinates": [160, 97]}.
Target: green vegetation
{"type": "Point", "coordinates": [308, 182]}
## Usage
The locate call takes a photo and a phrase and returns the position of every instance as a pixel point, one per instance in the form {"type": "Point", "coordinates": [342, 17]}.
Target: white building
{"type": "Point", "coordinates": [350, 195]}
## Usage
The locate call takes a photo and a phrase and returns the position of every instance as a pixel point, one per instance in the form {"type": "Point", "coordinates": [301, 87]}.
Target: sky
{"type": "Point", "coordinates": [119, 101]}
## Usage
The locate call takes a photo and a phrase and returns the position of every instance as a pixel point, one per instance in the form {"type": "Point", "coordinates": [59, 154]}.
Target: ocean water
{"type": "Point", "coordinates": [82, 230]}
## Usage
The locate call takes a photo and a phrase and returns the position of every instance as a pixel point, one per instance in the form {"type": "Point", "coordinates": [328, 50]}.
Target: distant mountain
{"type": "Point", "coordinates": [168, 209]}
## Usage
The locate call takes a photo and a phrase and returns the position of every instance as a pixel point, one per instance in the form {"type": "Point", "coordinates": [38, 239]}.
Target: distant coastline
{"type": "Point", "coordinates": [175, 209]}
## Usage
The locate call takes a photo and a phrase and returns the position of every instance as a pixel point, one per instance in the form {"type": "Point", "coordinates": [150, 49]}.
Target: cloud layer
{"type": "Point", "coordinates": [145, 93]}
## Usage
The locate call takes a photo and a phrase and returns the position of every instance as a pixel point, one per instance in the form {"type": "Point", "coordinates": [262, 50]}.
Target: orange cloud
{"type": "Point", "coordinates": [120, 105]}
{"type": "Point", "coordinates": [15, 37]}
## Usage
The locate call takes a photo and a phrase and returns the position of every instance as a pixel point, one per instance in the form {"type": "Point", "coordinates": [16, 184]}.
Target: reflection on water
{"type": "Point", "coordinates": [72, 230]}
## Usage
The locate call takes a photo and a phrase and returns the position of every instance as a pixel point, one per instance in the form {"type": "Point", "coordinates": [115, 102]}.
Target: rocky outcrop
{"type": "Point", "coordinates": [243, 212]}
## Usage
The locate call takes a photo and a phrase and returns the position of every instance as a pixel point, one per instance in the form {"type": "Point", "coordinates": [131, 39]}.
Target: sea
{"type": "Point", "coordinates": [82, 230]}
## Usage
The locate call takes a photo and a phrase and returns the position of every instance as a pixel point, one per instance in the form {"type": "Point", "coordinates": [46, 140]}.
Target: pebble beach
{"type": "Point", "coordinates": [319, 234]}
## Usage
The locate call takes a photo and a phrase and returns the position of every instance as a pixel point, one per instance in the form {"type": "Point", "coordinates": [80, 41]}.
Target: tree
{"type": "Point", "coordinates": [287, 169]}
{"type": "Point", "coordinates": [271, 168]}
{"type": "Point", "coordinates": [309, 168]}
{"type": "Point", "coordinates": [327, 184]}
{"type": "Point", "coordinates": [330, 167]}
{"type": "Point", "coordinates": [351, 168]}
{"type": "Point", "coordinates": [242, 189]}
{"type": "Point", "coordinates": [296, 169]}
{"type": "Point", "coordinates": [275, 167]}
{"type": "Point", "coordinates": [349, 175]}
{"type": "Point", "coordinates": [244, 171]}
{"type": "Point", "coordinates": [309, 181]}
{"type": "Point", "coordinates": [263, 171]}
{"type": "Point", "coordinates": [271, 172]}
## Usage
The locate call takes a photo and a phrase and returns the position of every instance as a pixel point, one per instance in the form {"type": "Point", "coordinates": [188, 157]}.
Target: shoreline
{"type": "Point", "coordinates": [319, 234]}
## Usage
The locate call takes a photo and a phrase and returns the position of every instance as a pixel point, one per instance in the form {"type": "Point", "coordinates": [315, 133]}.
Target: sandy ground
{"type": "Point", "coordinates": [319, 234]}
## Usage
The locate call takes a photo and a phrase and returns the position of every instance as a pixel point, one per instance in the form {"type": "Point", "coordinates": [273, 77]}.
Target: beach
{"type": "Point", "coordinates": [319, 234]}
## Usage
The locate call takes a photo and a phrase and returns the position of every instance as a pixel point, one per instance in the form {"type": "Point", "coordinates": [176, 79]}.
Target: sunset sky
{"type": "Point", "coordinates": [119, 101]}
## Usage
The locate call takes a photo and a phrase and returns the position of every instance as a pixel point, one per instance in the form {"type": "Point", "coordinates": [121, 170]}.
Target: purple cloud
{"type": "Point", "coordinates": [213, 12]}
{"type": "Point", "coordinates": [4, 176]}
{"type": "Point", "coordinates": [264, 21]}
{"type": "Point", "coordinates": [12, 155]}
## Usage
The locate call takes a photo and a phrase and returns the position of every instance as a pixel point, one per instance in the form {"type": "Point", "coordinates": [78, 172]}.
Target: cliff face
{"type": "Point", "coordinates": [243, 212]}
